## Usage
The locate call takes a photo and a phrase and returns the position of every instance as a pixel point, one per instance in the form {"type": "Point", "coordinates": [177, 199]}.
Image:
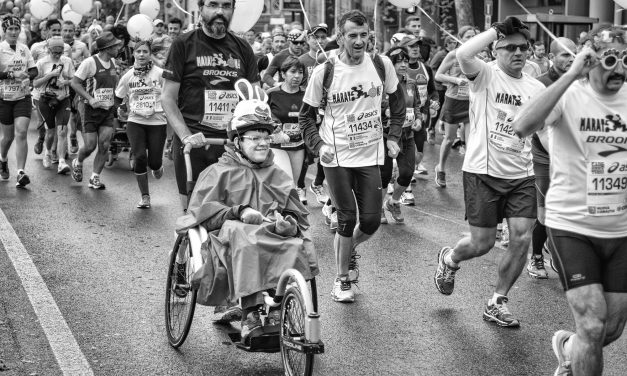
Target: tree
{"type": "Point", "coordinates": [463, 9]}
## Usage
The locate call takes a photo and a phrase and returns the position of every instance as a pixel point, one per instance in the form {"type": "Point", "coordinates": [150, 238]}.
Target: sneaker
{"type": "Point", "coordinates": [39, 146]}
{"type": "Point", "coordinates": [505, 235]}
{"type": "Point", "coordinates": [54, 157]}
{"type": "Point", "coordinates": [462, 150]}
{"type": "Point", "coordinates": [228, 314]}
{"type": "Point", "coordinates": [342, 291]}
{"type": "Point", "coordinates": [431, 137]}
{"type": "Point", "coordinates": [456, 143]}
{"type": "Point", "coordinates": [157, 174]}
{"type": "Point", "coordinates": [564, 364]}
{"type": "Point", "coordinates": [420, 170]}
{"type": "Point", "coordinates": [353, 267]}
{"type": "Point", "coordinates": [407, 198]}
{"type": "Point", "coordinates": [4, 170]}
{"type": "Point", "coordinates": [536, 269]}
{"type": "Point", "coordinates": [384, 219]}
{"type": "Point", "coordinates": [390, 188]}
{"type": "Point", "coordinates": [333, 223]}
{"type": "Point", "coordinates": [499, 313]}
{"type": "Point", "coordinates": [63, 168]}
{"type": "Point", "coordinates": [95, 183]}
{"type": "Point", "coordinates": [77, 171]}
{"type": "Point", "coordinates": [318, 191]}
{"type": "Point", "coordinates": [394, 209]}
{"type": "Point", "coordinates": [251, 323]}
{"type": "Point", "coordinates": [22, 180]}
{"type": "Point", "coordinates": [73, 145]}
{"type": "Point", "coordinates": [274, 317]}
{"type": "Point", "coordinates": [440, 178]}
{"type": "Point", "coordinates": [302, 195]}
{"type": "Point", "coordinates": [444, 275]}
{"type": "Point", "coordinates": [144, 203]}
{"type": "Point", "coordinates": [47, 161]}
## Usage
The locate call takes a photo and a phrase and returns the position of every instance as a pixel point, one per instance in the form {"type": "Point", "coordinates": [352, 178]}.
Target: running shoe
{"type": "Point", "coordinates": [462, 150]}
{"type": "Point", "coordinates": [431, 137]}
{"type": "Point", "coordinates": [274, 316]}
{"type": "Point", "coordinates": [384, 220]}
{"type": "Point", "coordinates": [63, 168]}
{"type": "Point", "coordinates": [505, 235]}
{"type": "Point", "coordinates": [342, 291]}
{"type": "Point", "coordinates": [227, 314]}
{"type": "Point", "coordinates": [22, 180]}
{"type": "Point", "coordinates": [144, 203]}
{"type": "Point", "coordinates": [456, 143]}
{"type": "Point", "coordinates": [39, 146]}
{"type": "Point", "coordinates": [444, 275]}
{"type": "Point", "coordinates": [564, 364]}
{"type": "Point", "coordinates": [73, 144]}
{"type": "Point", "coordinates": [390, 188]}
{"type": "Point", "coordinates": [95, 183]}
{"type": "Point", "coordinates": [77, 171]}
{"type": "Point", "coordinates": [394, 209]}
{"type": "Point", "coordinates": [499, 313]}
{"type": "Point", "coordinates": [420, 170]}
{"type": "Point", "coordinates": [353, 267]}
{"type": "Point", "coordinates": [333, 224]}
{"type": "Point", "coordinates": [440, 178]}
{"type": "Point", "coordinates": [47, 161]}
{"type": "Point", "coordinates": [302, 195]}
{"type": "Point", "coordinates": [318, 191]}
{"type": "Point", "coordinates": [54, 157]}
{"type": "Point", "coordinates": [407, 198]}
{"type": "Point", "coordinates": [251, 323]}
{"type": "Point", "coordinates": [157, 174]}
{"type": "Point", "coordinates": [4, 170]}
{"type": "Point", "coordinates": [536, 269]}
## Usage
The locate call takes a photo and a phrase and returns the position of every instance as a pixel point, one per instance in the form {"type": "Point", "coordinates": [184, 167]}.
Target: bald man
{"type": "Point", "coordinates": [561, 61]}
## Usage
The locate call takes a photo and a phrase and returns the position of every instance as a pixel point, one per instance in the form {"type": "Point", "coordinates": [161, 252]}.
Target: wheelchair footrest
{"type": "Point", "coordinates": [267, 342]}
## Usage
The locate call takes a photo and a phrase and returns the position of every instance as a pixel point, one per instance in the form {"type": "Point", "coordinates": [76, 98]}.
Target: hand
{"type": "Point", "coordinates": [435, 105]}
{"type": "Point", "coordinates": [94, 103]}
{"type": "Point", "coordinates": [251, 216]}
{"type": "Point", "coordinates": [417, 124]}
{"type": "Point", "coordinates": [327, 153]}
{"type": "Point", "coordinates": [280, 138]}
{"type": "Point", "coordinates": [511, 25]}
{"type": "Point", "coordinates": [393, 149]}
{"type": "Point", "coordinates": [585, 60]}
{"type": "Point", "coordinates": [461, 81]}
{"type": "Point", "coordinates": [195, 140]}
{"type": "Point", "coordinates": [285, 226]}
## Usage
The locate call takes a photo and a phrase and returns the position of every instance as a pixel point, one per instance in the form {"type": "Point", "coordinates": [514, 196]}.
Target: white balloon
{"type": "Point", "coordinates": [140, 26]}
{"type": "Point", "coordinates": [41, 9]}
{"type": "Point", "coordinates": [82, 7]}
{"type": "Point", "coordinates": [405, 3]}
{"type": "Point", "coordinates": [245, 15]}
{"type": "Point", "coordinates": [150, 8]}
{"type": "Point", "coordinates": [621, 3]}
{"type": "Point", "coordinates": [69, 15]}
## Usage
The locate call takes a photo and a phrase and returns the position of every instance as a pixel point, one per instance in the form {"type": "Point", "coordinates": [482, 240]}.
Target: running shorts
{"type": "Point", "coordinates": [455, 111]}
{"type": "Point", "coordinates": [96, 118]}
{"type": "Point", "coordinates": [11, 110]}
{"type": "Point", "coordinates": [59, 115]}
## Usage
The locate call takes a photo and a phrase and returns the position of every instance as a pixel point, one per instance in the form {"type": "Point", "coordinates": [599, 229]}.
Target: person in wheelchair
{"type": "Point", "coordinates": [257, 224]}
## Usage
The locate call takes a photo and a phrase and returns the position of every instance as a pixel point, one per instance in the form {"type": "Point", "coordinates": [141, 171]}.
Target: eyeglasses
{"type": "Point", "coordinates": [611, 58]}
{"type": "Point", "coordinates": [513, 47]}
{"type": "Point", "coordinates": [213, 6]}
{"type": "Point", "coordinates": [302, 43]}
{"type": "Point", "coordinates": [258, 139]}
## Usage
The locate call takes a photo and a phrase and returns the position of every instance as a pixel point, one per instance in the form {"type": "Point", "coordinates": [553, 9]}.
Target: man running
{"type": "Point", "coordinates": [350, 142]}
{"type": "Point", "coordinates": [586, 205]}
{"type": "Point", "coordinates": [497, 171]}
{"type": "Point", "coordinates": [296, 42]}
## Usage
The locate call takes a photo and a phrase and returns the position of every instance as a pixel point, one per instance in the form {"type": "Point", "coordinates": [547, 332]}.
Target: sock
{"type": "Point", "coordinates": [61, 160]}
{"type": "Point", "coordinates": [93, 175]}
{"type": "Point", "coordinates": [538, 237]}
{"type": "Point", "coordinates": [20, 171]}
{"type": "Point", "coordinates": [448, 260]}
{"type": "Point", "coordinates": [494, 297]}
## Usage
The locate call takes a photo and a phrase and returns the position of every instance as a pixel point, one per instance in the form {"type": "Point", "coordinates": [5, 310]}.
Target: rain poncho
{"type": "Point", "coordinates": [242, 259]}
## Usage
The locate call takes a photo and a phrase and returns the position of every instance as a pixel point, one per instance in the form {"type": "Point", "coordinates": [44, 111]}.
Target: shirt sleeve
{"type": "Point", "coordinates": [86, 69]}
{"type": "Point", "coordinates": [482, 79]}
{"type": "Point", "coordinates": [313, 93]}
{"type": "Point", "coordinates": [391, 79]}
{"type": "Point", "coordinates": [175, 63]}
{"type": "Point", "coordinates": [30, 62]}
{"type": "Point", "coordinates": [252, 71]}
{"type": "Point", "coordinates": [122, 90]}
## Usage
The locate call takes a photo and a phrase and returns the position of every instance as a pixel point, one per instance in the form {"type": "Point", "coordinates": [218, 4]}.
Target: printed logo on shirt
{"type": "Point", "coordinates": [510, 99]}
{"type": "Point", "coordinates": [218, 60]}
{"type": "Point", "coordinates": [355, 93]}
{"type": "Point", "coordinates": [219, 80]}
{"type": "Point", "coordinates": [610, 123]}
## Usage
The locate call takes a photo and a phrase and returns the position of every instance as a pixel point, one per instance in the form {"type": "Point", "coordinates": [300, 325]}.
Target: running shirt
{"type": "Point", "coordinates": [18, 60]}
{"type": "Point", "coordinates": [45, 66]}
{"type": "Point", "coordinates": [310, 63]}
{"type": "Point", "coordinates": [207, 69]}
{"type": "Point", "coordinates": [418, 75]}
{"type": "Point", "coordinates": [275, 64]}
{"type": "Point", "coordinates": [285, 108]}
{"type": "Point", "coordinates": [144, 96]}
{"type": "Point", "coordinates": [492, 147]}
{"type": "Point", "coordinates": [352, 117]}
{"type": "Point", "coordinates": [78, 49]}
{"type": "Point", "coordinates": [100, 81]}
{"type": "Point", "coordinates": [40, 50]}
{"type": "Point", "coordinates": [588, 143]}
{"type": "Point", "coordinates": [453, 90]}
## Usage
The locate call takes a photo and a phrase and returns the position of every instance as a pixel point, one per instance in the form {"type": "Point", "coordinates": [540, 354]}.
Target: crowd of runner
{"type": "Point", "coordinates": [541, 129]}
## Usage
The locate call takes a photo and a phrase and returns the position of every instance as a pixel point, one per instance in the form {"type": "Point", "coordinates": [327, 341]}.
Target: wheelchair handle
{"type": "Point", "coordinates": [187, 148]}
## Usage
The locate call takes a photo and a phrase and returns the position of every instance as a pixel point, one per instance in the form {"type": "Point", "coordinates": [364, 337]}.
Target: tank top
{"type": "Point", "coordinates": [102, 85]}
{"type": "Point", "coordinates": [455, 91]}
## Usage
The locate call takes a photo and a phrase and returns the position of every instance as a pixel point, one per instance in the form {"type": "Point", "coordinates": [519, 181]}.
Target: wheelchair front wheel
{"type": "Point", "coordinates": [293, 316]}
{"type": "Point", "coordinates": [180, 298]}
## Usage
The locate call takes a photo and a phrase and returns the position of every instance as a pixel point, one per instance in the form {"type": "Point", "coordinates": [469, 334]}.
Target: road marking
{"type": "Point", "coordinates": [64, 346]}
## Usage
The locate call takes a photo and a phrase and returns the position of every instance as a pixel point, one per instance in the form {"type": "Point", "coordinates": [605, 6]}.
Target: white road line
{"type": "Point", "coordinates": [64, 346]}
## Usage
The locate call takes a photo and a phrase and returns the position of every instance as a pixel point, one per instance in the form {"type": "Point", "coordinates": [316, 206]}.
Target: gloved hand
{"type": "Point", "coordinates": [251, 216]}
{"type": "Point", "coordinates": [511, 25]}
{"type": "Point", "coordinates": [196, 140]}
{"type": "Point", "coordinates": [285, 226]}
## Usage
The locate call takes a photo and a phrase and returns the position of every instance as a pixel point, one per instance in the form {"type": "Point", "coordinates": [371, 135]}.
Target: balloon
{"type": "Point", "coordinates": [27, 16]}
{"type": "Point", "coordinates": [41, 9]}
{"type": "Point", "coordinates": [245, 15]}
{"type": "Point", "coordinates": [405, 3]}
{"type": "Point", "coordinates": [9, 5]}
{"type": "Point", "coordinates": [69, 15]}
{"type": "Point", "coordinates": [97, 4]}
{"type": "Point", "coordinates": [128, 1]}
{"type": "Point", "coordinates": [18, 3]}
{"type": "Point", "coordinates": [82, 7]}
{"type": "Point", "coordinates": [140, 26]}
{"type": "Point", "coordinates": [150, 8]}
{"type": "Point", "coordinates": [16, 10]}
{"type": "Point", "coordinates": [621, 3]}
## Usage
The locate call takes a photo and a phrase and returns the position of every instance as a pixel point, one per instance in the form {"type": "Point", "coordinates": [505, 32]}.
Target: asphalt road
{"type": "Point", "coordinates": [104, 263]}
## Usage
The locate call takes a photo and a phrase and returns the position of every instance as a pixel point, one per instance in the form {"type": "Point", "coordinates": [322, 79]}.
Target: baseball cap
{"type": "Point", "coordinates": [296, 36]}
{"type": "Point", "coordinates": [321, 26]}
{"type": "Point", "coordinates": [410, 40]}
{"type": "Point", "coordinates": [157, 22]}
{"type": "Point", "coordinates": [397, 37]}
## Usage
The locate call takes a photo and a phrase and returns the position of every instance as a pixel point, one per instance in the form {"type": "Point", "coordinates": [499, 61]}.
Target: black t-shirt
{"type": "Point", "coordinates": [310, 63]}
{"type": "Point", "coordinates": [285, 107]}
{"type": "Point", "coordinates": [277, 61]}
{"type": "Point", "coordinates": [207, 69]}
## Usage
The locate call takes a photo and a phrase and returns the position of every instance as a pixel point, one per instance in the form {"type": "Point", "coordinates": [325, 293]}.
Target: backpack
{"type": "Point", "coordinates": [327, 78]}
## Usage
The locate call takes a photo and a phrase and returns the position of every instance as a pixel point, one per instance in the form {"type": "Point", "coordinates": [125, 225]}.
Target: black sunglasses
{"type": "Point", "coordinates": [299, 42]}
{"type": "Point", "coordinates": [513, 47]}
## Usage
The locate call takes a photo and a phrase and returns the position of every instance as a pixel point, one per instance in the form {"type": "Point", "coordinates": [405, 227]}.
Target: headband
{"type": "Point", "coordinates": [11, 21]}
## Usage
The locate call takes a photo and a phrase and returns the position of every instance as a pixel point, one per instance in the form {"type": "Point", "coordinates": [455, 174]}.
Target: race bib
{"type": "Point", "coordinates": [219, 107]}
{"type": "Point", "coordinates": [12, 90]}
{"type": "Point", "coordinates": [462, 90]}
{"type": "Point", "coordinates": [292, 130]}
{"type": "Point", "coordinates": [363, 129]}
{"type": "Point", "coordinates": [145, 104]}
{"type": "Point", "coordinates": [423, 95]}
{"type": "Point", "coordinates": [410, 117]}
{"type": "Point", "coordinates": [503, 138]}
{"type": "Point", "coordinates": [606, 187]}
{"type": "Point", "coordinates": [104, 95]}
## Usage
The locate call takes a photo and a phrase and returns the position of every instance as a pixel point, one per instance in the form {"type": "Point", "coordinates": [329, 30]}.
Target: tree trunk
{"type": "Point", "coordinates": [463, 9]}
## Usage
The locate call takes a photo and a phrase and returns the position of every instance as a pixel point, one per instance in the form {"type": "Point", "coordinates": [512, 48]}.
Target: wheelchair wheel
{"type": "Point", "coordinates": [293, 317]}
{"type": "Point", "coordinates": [180, 298]}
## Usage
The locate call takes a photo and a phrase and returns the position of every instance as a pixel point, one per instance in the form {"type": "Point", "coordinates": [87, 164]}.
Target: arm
{"type": "Point", "coordinates": [169, 97]}
{"type": "Point", "coordinates": [467, 52]}
{"type": "Point", "coordinates": [433, 94]}
{"type": "Point", "coordinates": [42, 80]}
{"type": "Point", "coordinates": [77, 85]}
{"type": "Point", "coordinates": [397, 114]}
{"type": "Point", "coordinates": [442, 76]}
{"type": "Point", "coordinates": [268, 77]}
{"type": "Point", "coordinates": [307, 120]}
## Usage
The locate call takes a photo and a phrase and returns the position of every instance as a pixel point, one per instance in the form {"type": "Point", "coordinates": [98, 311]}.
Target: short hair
{"type": "Point", "coordinates": [355, 16]}
{"type": "Point", "coordinates": [411, 19]}
{"type": "Point", "coordinates": [279, 35]}
{"type": "Point", "coordinates": [143, 42]}
{"type": "Point", "coordinates": [176, 21]}
{"type": "Point", "coordinates": [69, 23]}
{"type": "Point", "coordinates": [202, 2]}
{"type": "Point", "coordinates": [608, 35]}
{"type": "Point", "coordinates": [49, 23]}
{"type": "Point", "coordinates": [538, 43]}
{"type": "Point", "coordinates": [464, 29]}
{"type": "Point", "coordinates": [292, 62]}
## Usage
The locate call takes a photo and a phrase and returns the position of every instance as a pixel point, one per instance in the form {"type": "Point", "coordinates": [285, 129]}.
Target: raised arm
{"type": "Point", "coordinates": [467, 52]}
{"type": "Point", "coordinates": [442, 72]}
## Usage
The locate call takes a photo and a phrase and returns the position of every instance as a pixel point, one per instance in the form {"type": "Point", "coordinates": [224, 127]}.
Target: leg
{"type": "Point", "coordinates": [90, 141]}
{"type": "Point", "coordinates": [514, 259]}
{"type": "Point", "coordinates": [137, 137]}
{"type": "Point", "coordinates": [8, 135]}
{"type": "Point", "coordinates": [445, 147]}
{"type": "Point", "coordinates": [156, 136]}
{"type": "Point", "coordinates": [297, 159]}
{"type": "Point", "coordinates": [21, 143]}
{"type": "Point", "coordinates": [104, 141]}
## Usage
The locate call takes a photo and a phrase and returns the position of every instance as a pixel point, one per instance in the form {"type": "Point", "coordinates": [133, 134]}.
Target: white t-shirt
{"type": "Point", "coordinates": [44, 66]}
{"type": "Point", "coordinates": [40, 49]}
{"type": "Point", "coordinates": [144, 96]}
{"type": "Point", "coordinates": [588, 143]}
{"type": "Point", "coordinates": [19, 60]}
{"type": "Point", "coordinates": [77, 52]}
{"type": "Point", "coordinates": [492, 147]}
{"type": "Point", "coordinates": [352, 117]}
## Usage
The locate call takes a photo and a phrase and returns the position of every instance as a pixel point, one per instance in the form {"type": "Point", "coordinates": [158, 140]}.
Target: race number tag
{"type": "Point", "coordinates": [462, 90]}
{"type": "Point", "coordinates": [363, 129]}
{"type": "Point", "coordinates": [606, 187]}
{"type": "Point", "coordinates": [503, 138]}
{"type": "Point", "coordinates": [410, 117]}
{"type": "Point", "coordinates": [219, 107]}
{"type": "Point", "coordinates": [104, 95]}
{"type": "Point", "coordinates": [12, 90]}
{"type": "Point", "coordinates": [145, 104]}
{"type": "Point", "coordinates": [292, 130]}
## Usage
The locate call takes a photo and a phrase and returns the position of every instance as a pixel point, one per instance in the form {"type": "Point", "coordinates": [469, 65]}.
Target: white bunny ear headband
{"type": "Point", "coordinates": [247, 92]}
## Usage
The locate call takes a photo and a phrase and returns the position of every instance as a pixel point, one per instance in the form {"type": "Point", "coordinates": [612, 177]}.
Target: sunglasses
{"type": "Point", "coordinates": [513, 47]}
{"type": "Point", "coordinates": [301, 43]}
{"type": "Point", "coordinates": [611, 58]}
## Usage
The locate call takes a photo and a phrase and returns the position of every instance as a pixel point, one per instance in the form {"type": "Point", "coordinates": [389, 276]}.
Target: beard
{"type": "Point", "coordinates": [217, 27]}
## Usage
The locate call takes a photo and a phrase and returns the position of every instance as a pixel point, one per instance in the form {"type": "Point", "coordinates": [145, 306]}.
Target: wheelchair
{"type": "Point", "coordinates": [120, 143]}
{"type": "Point", "coordinates": [297, 338]}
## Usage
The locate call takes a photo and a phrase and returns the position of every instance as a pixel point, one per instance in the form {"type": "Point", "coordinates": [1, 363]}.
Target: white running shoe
{"type": "Point", "coordinates": [407, 198]}
{"type": "Point", "coordinates": [47, 161]}
{"type": "Point", "coordinates": [63, 168]}
{"type": "Point", "coordinates": [342, 291]}
{"type": "Point", "coordinates": [302, 195]}
{"type": "Point", "coordinates": [420, 170]}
